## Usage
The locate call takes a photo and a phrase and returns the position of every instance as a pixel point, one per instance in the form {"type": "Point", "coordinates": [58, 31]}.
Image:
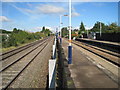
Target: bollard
{"type": "Point", "coordinates": [69, 54]}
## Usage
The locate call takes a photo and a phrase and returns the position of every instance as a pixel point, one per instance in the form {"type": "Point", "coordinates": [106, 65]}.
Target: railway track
{"type": "Point", "coordinates": [110, 56]}
{"type": "Point", "coordinates": [17, 50]}
{"type": "Point", "coordinates": [10, 72]}
{"type": "Point", "coordinates": [114, 47]}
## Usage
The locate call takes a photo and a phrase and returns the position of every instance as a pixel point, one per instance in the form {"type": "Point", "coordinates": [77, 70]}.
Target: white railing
{"type": "Point", "coordinates": [52, 67]}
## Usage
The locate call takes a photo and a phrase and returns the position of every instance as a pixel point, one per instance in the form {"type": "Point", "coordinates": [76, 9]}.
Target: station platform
{"type": "Point", "coordinates": [99, 41]}
{"type": "Point", "coordinates": [84, 73]}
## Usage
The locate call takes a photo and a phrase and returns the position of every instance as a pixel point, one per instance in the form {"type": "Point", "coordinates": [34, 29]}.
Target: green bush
{"type": "Point", "coordinates": [20, 37]}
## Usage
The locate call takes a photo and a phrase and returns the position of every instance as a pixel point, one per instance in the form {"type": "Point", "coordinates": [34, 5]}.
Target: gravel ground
{"type": "Point", "coordinates": [16, 56]}
{"type": "Point", "coordinates": [85, 74]}
{"type": "Point", "coordinates": [35, 75]}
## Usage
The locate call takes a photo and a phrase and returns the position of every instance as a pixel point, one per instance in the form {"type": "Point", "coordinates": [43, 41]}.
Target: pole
{"type": "Point", "coordinates": [60, 24]}
{"type": "Point", "coordinates": [70, 46]}
{"type": "Point", "coordinates": [60, 29]}
{"type": "Point", "coordinates": [100, 30]}
{"type": "Point", "coordinates": [69, 22]}
{"type": "Point", "coordinates": [87, 33]}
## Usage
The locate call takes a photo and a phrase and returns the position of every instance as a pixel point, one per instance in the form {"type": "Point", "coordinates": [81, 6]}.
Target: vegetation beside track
{"type": "Point", "coordinates": [105, 28]}
{"type": "Point", "coordinates": [12, 39]}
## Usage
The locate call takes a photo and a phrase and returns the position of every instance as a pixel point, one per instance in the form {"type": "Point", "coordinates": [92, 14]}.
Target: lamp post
{"type": "Point", "coordinates": [61, 27]}
{"type": "Point", "coordinates": [100, 29]}
{"type": "Point", "coordinates": [87, 33]}
{"type": "Point", "coordinates": [60, 24]}
{"type": "Point", "coordinates": [86, 30]}
{"type": "Point", "coordinates": [70, 46]}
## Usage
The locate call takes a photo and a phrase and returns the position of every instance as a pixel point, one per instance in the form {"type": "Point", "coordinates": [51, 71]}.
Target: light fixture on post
{"type": "Point", "coordinates": [61, 27]}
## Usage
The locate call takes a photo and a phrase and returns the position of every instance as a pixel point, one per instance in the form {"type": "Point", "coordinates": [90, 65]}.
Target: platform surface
{"type": "Point", "coordinates": [100, 41]}
{"type": "Point", "coordinates": [84, 73]}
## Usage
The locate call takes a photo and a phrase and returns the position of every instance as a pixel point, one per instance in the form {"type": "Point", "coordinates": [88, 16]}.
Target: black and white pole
{"type": "Point", "coordinates": [70, 46]}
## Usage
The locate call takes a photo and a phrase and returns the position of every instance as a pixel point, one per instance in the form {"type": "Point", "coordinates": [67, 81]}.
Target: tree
{"type": "Point", "coordinates": [17, 37]}
{"type": "Point", "coordinates": [43, 29]}
{"type": "Point", "coordinates": [15, 30]}
{"type": "Point", "coordinates": [82, 28]}
{"type": "Point", "coordinates": [113, 26]}
{"type": "Point", "coordinates": [96, 27]}
{"type": "Point", "coordinates": [46, 31]}
{"type": "Point", "coordinates": [64, 31]}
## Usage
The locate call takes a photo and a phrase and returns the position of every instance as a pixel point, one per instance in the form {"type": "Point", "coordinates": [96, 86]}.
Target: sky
{"type": "Point", "coordinates": [32, 16]}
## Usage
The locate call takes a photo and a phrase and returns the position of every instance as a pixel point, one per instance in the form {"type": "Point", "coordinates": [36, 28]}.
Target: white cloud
{"type": "Point", "coordinates": [4, 19]}
{"type": "Point", "coordinates": [46, 9]}
{"type": "Point", "coordinates": [50, 28]}
{"type": "Point", "coordinates": [22, 10]}
{"type": "Point", "coordinates": [50, 9]}
{"type": "Point", "coordinates": [75, 27]}
{"type": "Point", "coordinates": [88, 28]}
{"type": "Point", "coordinates": [37, 29]}
{"type": "Point", "coordinates": [27, 10]}
{"type": "Point", "coordinates": [42, 9]}
{"type": "Point", "coordinates": [75, 14]}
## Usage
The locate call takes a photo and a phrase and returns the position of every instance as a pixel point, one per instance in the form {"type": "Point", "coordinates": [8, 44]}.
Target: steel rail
{"type": "Point", "coordinates": [19, 49]}
{"type": "Point", "coordinates": [23, 68]}
{"type": "Point", "coordinates": [106, 58]}
{"type": "Point", "coordinates": [20, 58]}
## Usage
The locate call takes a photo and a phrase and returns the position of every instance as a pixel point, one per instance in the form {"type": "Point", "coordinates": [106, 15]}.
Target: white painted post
{"type": "Point", "coordinates": [52, 73]}
{"type": "Point", "coordinates": [70, 45]}
{"type": "Point", "coordinates": [100, 29]}
{"type": "Point", "coordinates": [60, 25]}
{"type": "Point", "coordinates": [69, 22]}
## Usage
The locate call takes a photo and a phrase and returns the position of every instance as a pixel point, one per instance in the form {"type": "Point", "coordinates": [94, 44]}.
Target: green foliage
{"type": "Point", "coordinates": [8, 41]}
{"type": "Point", "coordinates": [4, 31]}
{"type": "Point", "coordinates": [96, 27]}
{"type": "Point", "coordinates": [18, 37]}
{"type": "Point", "coordinates": [43, 29]}
{"type": "Point", "coordinates": [111, 28]}
{"type": "Point", "coordinates": [82, 28]}
{"type": "Point", "coordinates": [15, 30]}
{"type": "Point", "coordinates": [46, 32]}
{"type": "Point", "coordinates": [4, 37]}
{"type": "Point", "coordinates": [64, 31]}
